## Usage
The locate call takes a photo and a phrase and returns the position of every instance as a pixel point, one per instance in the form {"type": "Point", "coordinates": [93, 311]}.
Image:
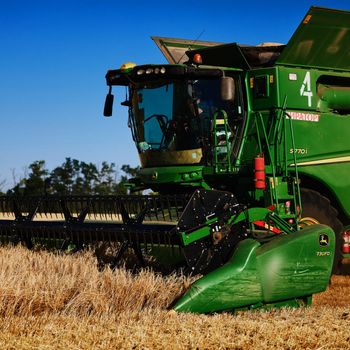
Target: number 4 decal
{"type": "Point", "coordinates": [305, 89]}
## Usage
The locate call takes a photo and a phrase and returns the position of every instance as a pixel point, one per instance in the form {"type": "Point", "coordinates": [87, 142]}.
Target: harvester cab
{"type": "Point", "coordinates": [174, 111]}
{"type": "Point", "coordinates": [225, 137]}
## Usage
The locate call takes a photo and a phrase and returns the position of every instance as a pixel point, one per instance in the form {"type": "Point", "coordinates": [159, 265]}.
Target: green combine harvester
{"type": "Point", "coordinates": [246, 151]}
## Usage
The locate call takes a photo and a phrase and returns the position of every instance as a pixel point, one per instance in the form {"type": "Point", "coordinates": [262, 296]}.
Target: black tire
{"type": "Point", "coordinates": [316, 206]}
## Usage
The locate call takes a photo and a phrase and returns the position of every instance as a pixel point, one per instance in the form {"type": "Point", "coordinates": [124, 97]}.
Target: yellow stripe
{"type": "Point", "coordinates": [324, 161]}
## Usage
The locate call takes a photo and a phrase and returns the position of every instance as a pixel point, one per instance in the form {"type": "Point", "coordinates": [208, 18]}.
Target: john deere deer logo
{"type": "Point", "coordinates": [323, 240]}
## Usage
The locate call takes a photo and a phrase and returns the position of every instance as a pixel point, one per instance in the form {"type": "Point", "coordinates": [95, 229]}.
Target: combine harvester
{"type": "Point", "coordinates": [253, 140]}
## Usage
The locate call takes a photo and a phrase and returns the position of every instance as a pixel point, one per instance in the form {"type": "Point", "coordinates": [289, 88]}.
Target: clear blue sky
{"type": "Point", "coordinates": [55, 53]}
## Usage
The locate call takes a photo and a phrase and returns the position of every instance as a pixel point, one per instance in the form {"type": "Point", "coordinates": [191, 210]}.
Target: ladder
{"type": "Point", "coordinates": [221, 144]}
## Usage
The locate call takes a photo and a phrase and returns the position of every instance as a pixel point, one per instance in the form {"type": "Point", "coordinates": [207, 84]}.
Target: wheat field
{"type": "Point", "coordinates": [50, 301]}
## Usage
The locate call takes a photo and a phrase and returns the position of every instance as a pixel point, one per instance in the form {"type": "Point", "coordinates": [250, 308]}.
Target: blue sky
{"type": "Point", "coordinates": [55, 53]}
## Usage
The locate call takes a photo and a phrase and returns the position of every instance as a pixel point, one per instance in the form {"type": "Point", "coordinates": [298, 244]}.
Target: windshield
{"type": "Point", "coordinates": [178, 115]}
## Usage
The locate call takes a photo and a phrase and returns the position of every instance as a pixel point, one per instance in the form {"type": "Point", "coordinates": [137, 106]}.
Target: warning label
{"type": "Point", "coordinates": [307, 117]}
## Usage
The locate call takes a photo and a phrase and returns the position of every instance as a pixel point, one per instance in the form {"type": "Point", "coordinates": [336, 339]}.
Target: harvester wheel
{"type": "Point", "coordinates": [318, 209]}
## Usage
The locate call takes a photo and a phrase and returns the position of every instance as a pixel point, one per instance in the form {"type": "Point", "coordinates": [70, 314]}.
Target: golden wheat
{"type": "Point", "coordinates": [50, 301]}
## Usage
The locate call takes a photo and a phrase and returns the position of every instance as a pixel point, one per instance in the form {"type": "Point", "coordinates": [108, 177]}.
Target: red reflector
{"type": "Point", "coordinates": [263, 224]}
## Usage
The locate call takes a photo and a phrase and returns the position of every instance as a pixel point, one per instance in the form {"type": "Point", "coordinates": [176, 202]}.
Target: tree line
{"type": "Point", "coordinates": [74, 177]}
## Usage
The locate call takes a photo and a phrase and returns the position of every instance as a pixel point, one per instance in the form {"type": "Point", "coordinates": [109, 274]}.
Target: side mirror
{"type": "Point", "coordinates": [227, 89]}
{"type": "Point", "coordinates": [108, 109]}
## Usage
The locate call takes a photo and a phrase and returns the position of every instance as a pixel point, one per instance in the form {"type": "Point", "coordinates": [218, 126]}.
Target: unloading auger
{"type": "Point", "coordinates": [249, 258]}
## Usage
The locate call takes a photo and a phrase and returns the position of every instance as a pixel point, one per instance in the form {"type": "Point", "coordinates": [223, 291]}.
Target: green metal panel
{"type": "Point", "coordinates": [334, 98]}
{"type": "Point", "coordinates": [263, 101]}
{"type": "Point", "coordinates": [297, 264]}
{"type": "Point", "coordinates": [195, 236]}
{"type": "Point", "coordinates": [320, 134]}
{"type": "Point", "coordinates": [172, 174]}
{"type": "Point", "coordinates": [334, 175]}
{"type": "Point", "coordinates": [322, 40]}
{"type": "Point", "coordinates": [298, 86]}
{"type": "Point", "coordinates": [235, 284]}
{"type": "Point", "coordinates": [287, 268]}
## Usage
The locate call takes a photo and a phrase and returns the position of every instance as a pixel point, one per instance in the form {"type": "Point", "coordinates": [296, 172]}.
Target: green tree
{"type": "Point", "coordinates": [63, 178]}
{"type": "Point", "coordinates": [90, 176]}
{"type": "Point", "coordinates": [107, 179]}
{"type": "Point", "coordinates": [129, 173]}
{"type": "Point", "coordinates": [75, 177]}
{"type": "Point", "coordinates": [2, 185]}
{"type": "Point", "coordinates": [37, 181]}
